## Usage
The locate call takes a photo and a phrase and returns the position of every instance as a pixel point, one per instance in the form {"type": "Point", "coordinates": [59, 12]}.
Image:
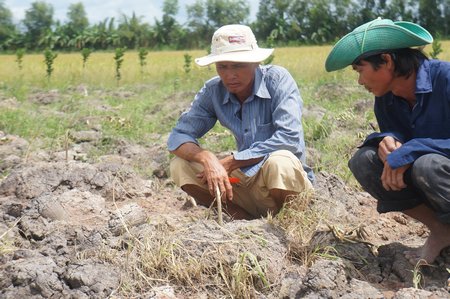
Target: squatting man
{"type": "Point", "coordinates": [405, 166]}
{"type": "Point", "coordinates": [262, 107]}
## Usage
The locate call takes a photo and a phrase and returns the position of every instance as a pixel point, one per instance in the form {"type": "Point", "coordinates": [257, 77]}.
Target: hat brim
{"type": "Point", "coordinates": [380, 37]}
{"type": "Point", "coordinates": [256, 55]}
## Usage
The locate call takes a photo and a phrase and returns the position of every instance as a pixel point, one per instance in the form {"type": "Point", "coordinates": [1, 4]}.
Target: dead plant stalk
{"type": "Point", "coordinates": [219, 205]}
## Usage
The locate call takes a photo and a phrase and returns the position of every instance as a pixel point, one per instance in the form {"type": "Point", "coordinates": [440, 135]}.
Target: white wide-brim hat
{"type": "Point", "coordinates": [235, 43]}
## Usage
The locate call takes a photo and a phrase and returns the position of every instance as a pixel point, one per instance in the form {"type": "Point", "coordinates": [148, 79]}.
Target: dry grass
{"type": "Point", "coordinates": [188, 259]}
{"type": "Point", "coordinates": [163, 258]}
{"type": "Point", "coordinates": [7, 244]}
{"type": "Point", "coordinates": [302, 220]}
{"type": "Point", "coordinates": [159, 256]}
{"type": "Point", "coordinates": [309, 234]}
{"type": "Point", "coordinates": [164, 69]}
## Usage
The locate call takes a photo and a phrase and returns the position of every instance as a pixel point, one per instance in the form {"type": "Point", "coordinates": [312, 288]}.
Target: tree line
{"type": "Point", "coordinates": [278, 22]}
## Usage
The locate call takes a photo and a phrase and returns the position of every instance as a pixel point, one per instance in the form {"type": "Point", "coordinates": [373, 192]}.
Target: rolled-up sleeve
{"type": "Point", "coordinates": [415, 148]}
{"type": "Point", "coordinates": [195, 122]}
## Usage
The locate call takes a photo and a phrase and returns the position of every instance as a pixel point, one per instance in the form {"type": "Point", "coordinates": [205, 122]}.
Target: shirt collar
{"type": "Point", "coordinates": [259, 88]}
{"type": "Point", "coordinates": [423, 78]}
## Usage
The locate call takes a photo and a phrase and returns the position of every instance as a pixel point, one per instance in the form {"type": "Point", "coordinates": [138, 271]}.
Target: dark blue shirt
{"type": "Point", "coordinates": [425, 128]}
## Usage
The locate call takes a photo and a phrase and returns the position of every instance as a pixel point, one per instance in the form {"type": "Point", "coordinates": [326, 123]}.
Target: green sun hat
{"type": "Point", "coordinates": [375, 36]}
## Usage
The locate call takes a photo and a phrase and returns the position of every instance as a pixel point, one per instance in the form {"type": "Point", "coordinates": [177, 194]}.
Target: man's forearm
{"type": "Point", "coordinates": [192, 152]}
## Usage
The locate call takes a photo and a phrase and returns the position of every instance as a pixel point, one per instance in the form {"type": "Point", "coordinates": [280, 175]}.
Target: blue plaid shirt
{"type": "Point", "coordinates": [269, 120]}
{"type": "Point", "coordinates": [424, 129]}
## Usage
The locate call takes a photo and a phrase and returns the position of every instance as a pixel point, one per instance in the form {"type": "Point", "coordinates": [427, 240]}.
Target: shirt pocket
{"type": "Point", "coordinates": [264, 131]}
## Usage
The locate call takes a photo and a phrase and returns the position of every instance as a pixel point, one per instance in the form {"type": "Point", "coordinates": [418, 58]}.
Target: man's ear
{"type": "Point", "coordinates": [388, 61]}
{"type": "Point", "coordinates": [387, 58]}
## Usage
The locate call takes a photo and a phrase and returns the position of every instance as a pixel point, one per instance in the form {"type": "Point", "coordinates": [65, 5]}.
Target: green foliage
{"type": "Point", "coordinates": [77, 18]}
{"type": "Point", "coordinates": [142, 53]}
{"type": "Point", "coordinates": [248, 271]}
{"type": "Point", "coordinates": [85, 53]}
{"type": "Point", "coordinates": [275, 24]}
{"type": "Point", "coordinates": [32, 124]}
{"type": "Point", "coordinates": [38, 21]}
{"type": "Point", "coordinates": [176, 84]}
{"type": "Point", "coordinates": [7, 27]}
{"type": "Point", "coordinates": [337, 114]}
{"type": "Point", "coordinates": [187, 63]}
{"type": "Point", "coordinates": [19, 58]}
{"type": "Point", "coordinates": [222, 12]}
{"type": "Point", "coordinates": [270, 44]}
{"type": "Point", "coordinates": [286, 22]}
{"type": "Point", "coordinates": [317, 130]}
{"type": "Point", "coordinates": [50, 57]}
{"type": "Point", "coordinates": [431, 16]}
{"type": "Point", "coordinates": [118, 58]}
{"type": "Point", "coordinates": [436, 49]}
{"type": "Point", "coordinates": [168, 31]}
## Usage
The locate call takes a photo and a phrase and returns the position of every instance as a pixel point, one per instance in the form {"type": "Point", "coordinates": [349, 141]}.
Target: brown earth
{"type": "Point", "coordinates": [74, 228]}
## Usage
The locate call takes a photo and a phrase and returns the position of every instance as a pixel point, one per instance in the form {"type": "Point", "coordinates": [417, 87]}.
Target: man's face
{"type": "Point", "coordinates": [377, 81]}
{"type": "Point", "coordinates": [237, 77]}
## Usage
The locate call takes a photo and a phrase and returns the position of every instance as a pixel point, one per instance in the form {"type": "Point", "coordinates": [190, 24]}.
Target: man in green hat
{"type": "Point", "coordinates": [405, 166]}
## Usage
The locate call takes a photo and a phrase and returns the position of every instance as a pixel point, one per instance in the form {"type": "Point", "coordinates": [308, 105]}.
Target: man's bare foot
{"type": "Point", "coordinates": [428, 253]}
{"type": "Point", "coordinates": [438, 239]}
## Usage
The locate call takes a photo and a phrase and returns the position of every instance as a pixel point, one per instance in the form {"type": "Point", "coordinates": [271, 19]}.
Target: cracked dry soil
{"type": "Point", "coordinates": [71, 228]}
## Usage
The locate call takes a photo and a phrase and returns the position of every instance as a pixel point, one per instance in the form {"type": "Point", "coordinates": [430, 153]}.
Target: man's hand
{"type": "Point", "coordinates": [393, 179]}
{"type": "Point", "coordinates": [215, 174]}
{"type": "Point", "coordinates": [229, 163]}
{"type": "Point", "coordinates": [387, 146]}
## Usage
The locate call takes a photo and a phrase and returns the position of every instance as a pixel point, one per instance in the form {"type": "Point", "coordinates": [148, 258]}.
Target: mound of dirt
{"type": "Point", "coordinates": [74, 229]}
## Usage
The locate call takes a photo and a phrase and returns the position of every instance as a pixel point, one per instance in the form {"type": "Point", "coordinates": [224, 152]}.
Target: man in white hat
{"type": "Point", "coordinates": [405, 166]}
{"type": "Point", "coordinates": [262, 107]}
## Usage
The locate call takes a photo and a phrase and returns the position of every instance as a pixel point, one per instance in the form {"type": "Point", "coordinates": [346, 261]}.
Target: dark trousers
{"type": "Point", "coordinates": [427, 180]}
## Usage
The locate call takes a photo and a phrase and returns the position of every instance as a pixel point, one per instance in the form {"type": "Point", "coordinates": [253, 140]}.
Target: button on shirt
{"type": "Point", "coordinates": [269, 120]}
{"type": "Point", "coordinates": [424, 129]}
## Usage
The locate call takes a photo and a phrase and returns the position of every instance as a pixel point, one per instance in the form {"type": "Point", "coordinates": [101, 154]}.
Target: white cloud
{"type": "Point", "coordinates": [99, 10]}
{"type": "Point", "coordinates": [96, 10]}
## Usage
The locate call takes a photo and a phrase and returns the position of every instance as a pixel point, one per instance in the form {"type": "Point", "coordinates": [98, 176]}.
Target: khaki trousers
{"type": "Point", "coordinates": [282, 170]}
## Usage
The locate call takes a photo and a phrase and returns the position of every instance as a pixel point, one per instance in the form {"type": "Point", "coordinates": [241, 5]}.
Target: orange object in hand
{"type": "Point", "coordinates": [234, 180]}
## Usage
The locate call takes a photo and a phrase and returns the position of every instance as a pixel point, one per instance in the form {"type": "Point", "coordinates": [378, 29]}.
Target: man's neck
{"type": "Point", "coordinates": [406, 88]}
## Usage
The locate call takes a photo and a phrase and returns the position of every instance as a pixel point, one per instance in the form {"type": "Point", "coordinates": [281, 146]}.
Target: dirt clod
{"type": "Point", "coordinates": [79, 229]}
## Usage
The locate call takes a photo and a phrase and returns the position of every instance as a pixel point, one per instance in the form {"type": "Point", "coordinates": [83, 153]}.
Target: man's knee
{"type": "Point", "coordinates": [282, 158]}
{"type": "Point", "coordinates": [431, 174]}
{"type": "Point", "coordinates": [283, 170]}
{"type": "Point", "coordinates": [175, 164]}
{"type": "Point", "coordinates": [363, 161]}
{"type": "Point", "coordinates": [431, 167]}
{"type": "Point", "coordinates": [184, 172]}
{"type": "Point", "coordinates": [282, 163]}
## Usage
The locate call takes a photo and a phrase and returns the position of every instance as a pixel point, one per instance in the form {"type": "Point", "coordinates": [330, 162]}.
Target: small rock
{"type": "Point", "coordinates": [400, 219]}
{"type": "Point", "coordinates": [128, 216]}
{"type": "Point", "coordinates": [86, 136]}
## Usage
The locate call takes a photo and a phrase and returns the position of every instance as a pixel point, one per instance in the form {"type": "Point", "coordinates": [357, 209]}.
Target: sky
{"type": "Point", "coordinates": [99, 10]}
